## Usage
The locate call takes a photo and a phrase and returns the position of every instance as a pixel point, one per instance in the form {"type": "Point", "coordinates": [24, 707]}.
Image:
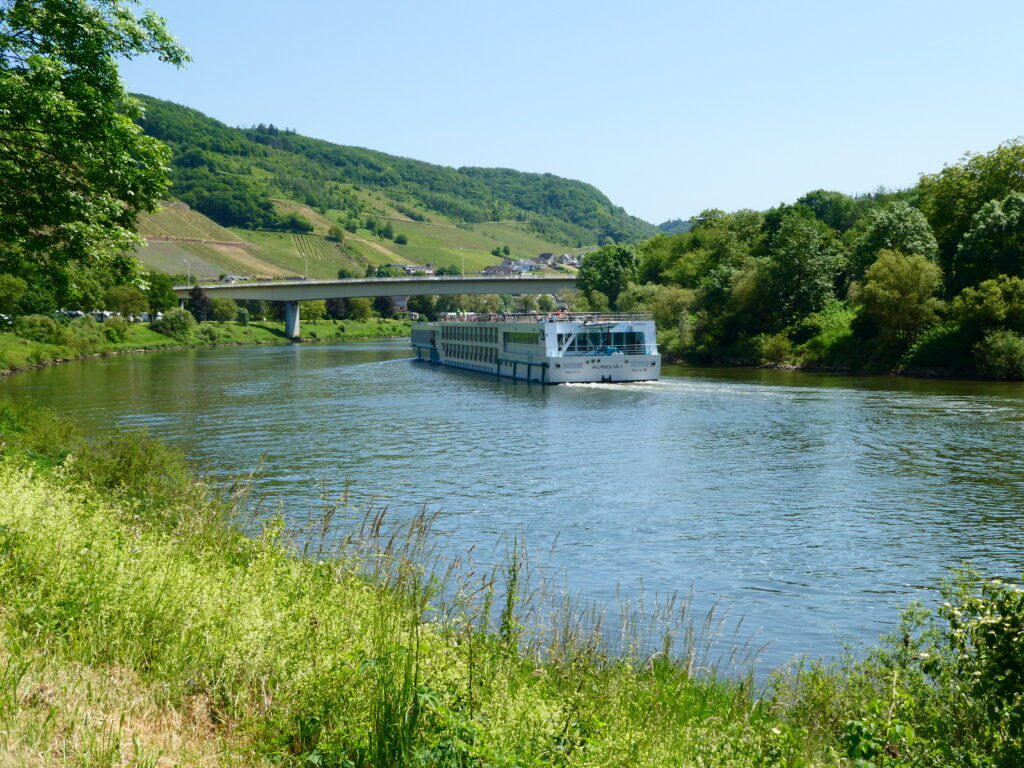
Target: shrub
{"type": "Point", "coordinates": [115, 329]}
{"type": "Point", "coordinates": [176, 323]}
{"type": "Point", "coordinates": [775, 349]}
{"type": "Point", "coordinates": [82, 335]}
{"type": "Point", "coordinates": [39, 328]}
{"type": "Point", "coordinates": [222, 309]}
{"type": "Point", "coordinates": [1000, 354]}
{"type": "Point", "coordinates": [244, 316]}
{"type": "Point", "coordinates": [209, 333]}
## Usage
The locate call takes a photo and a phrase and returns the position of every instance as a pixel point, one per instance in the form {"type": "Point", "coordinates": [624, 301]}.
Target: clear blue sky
{"type": "Point", "coordinates": [667, 107]}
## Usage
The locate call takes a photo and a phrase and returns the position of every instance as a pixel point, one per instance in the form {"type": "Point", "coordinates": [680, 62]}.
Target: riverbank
{"type": "Point", "coordinates": [19, 354]}
{"type": "Point", "coordinates": [141, 625]}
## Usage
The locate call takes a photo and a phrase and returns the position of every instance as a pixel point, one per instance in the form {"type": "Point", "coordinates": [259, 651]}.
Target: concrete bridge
{"type": "Point", "coordinates": [291, 292]}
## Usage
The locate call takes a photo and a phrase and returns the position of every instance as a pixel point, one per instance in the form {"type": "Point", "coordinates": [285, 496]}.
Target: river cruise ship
{"type": "Point", "coordinates": [558, 348]}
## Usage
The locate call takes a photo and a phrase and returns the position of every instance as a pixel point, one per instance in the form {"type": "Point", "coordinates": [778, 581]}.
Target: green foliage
{"type": "Point", "coordinates": [899, 295]}
{"type": "Point", "coordinates": [176, 323]}
{"type": "Point", "coordinates": [545, 303]}
{"type": "Point", "coordinates": [401, 239]}
{"type": "Point", "coordinates": [336, 234]}
{"type": "Point", "coordinates": [994, 245]}
{"type": "Point", "coordinates": [895, 227]}
{"type": "Point", "coordinates": [313, 310]}
{"type": "Point", "coordinates": [159, 293]}
{"type": "Point", "coordinates": [773, 349]}
{"type": "Point", "coordinates": [243, 317]}
{"type": "Point", "coordinates": [39, 434]}
{"type": "Point", "coordinates": [997, 303]}
{"type": "Point", "coordinates": [359, 309]}
{"type": "Point", "coordinates": [214, 164]}
{"type": "Point", "coordinates": [608, 270]}
{"type": "Point", "coordinates": [836, 210]}
{"type": "Point", "coordinates": [82, 335]}
{"type": "Point", "coordinates": [222, 310]}
{"type": "Point", "coordinates": [76, 168]}
{"type": "Point", "coordinates": [11, 290]}
{"type": "Point", "coordinates": [1000, 354]}
{"type": "Point", "coordinates": [125, 300]}
{"type": "Point", "coordinates": [806, 262]}
{"type": "Point", "coordinates": [951, 198]}
{"type": "Point", "coordinates": [115, 329]}
{"type": "Point", "coordinates": [199, 305]}
{"type": "Point", "coordinates": [39, 328]}
{"type": "Point", "coordinates": [384, 306]}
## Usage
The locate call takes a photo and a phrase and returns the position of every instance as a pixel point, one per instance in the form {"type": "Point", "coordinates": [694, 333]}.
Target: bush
{"type": "Point", "coordinates": [176, 323]}
{"type": "Point", "coordinates": [1001, 355]}
{"type": "Point", "coordinates": [115, 329]}
{"type": "Point", "coordinates": [209, 333]}
{"type": "Point", "coordinates": [223, 310]}
{"type": "Point", "coordinates": [82, 335]}
{"type": "Point", "coordinates": [244, 316]}
{"type": "Point", "coordinates": [774, 349]}
{"type": "Point", "coordinates": [39, 328]}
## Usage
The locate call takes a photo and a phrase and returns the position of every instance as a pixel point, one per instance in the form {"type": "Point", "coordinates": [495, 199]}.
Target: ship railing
{"type": "Point", "coordinates": [544, 317]}
{"type": "Point", "coordinates": [610, 349]}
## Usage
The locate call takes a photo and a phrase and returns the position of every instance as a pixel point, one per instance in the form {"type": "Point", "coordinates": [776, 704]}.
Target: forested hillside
{"type": "Point", "coordinates": [929, 279]}
{"type": "Point", "coordinates": [232, 175]}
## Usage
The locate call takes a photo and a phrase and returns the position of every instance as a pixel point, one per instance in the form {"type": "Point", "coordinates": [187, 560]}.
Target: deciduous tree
{"type": "Point", "coordinates": [609, 270]}
{"type": "Point", "coordinates": [899, 295]}
{"type": "Point", "coordinates": [75, 169]}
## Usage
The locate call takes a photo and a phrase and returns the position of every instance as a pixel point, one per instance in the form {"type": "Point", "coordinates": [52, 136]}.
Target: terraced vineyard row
{"type": "Point", "coordinates": [317, 248]}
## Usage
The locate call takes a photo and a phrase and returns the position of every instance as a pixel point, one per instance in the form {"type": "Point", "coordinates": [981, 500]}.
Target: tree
{"type": "Point", "coordinates": [76, 168]}
{"type": "Point", "coordinates": [994, 245]}
{"type": "Point", "coordinates": [899, 295]}
{"type": "Point", "coordinates": [384, 306]}
{"type": "Point", "coordinates": [952, 197]}
{"type": "Point", "coordinates": [805, 262]}
{"type": "Point", "coordinates": [159, 293]}
{"type": "Point", "coordinates": [346, 274]}
{"type": "Point", "coordinates": [835, 209]}
{"type": "Point", "coordinates": [545, 303]}
{"type": "Point", "coordinates": [896, 227]}
{"type": "Point", "coordinates": [125, 300]}
{"type": "Point", "coordinates": [11, 290]}
{"type": "Point", "coordinates": [401, 239]}
{"type": "Point", "coordinates": [609, 270]}
{"type": "Point", "coordinates": [198, 304]}
{"type": "Point", "coordinates": [336, 234]}
{"type": "Point", "coordinates": [422, 305]}
{"type": "Point", "coordinates": [360, 308]}
{"type": "Point", "coordinates": [336, 308]}
{"type": "Point", "coordinates": [222, 310]}
{"type": "Point", "coordinates": [314, 309]}
{"type": "Point", "coordinates": [526, 303]}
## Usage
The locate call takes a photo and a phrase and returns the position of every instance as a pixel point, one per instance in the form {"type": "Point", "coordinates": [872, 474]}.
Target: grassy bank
{"type": "Point", "coordinates": [59, 344]}
{"type": "Point", "coordinates": [140, 625]}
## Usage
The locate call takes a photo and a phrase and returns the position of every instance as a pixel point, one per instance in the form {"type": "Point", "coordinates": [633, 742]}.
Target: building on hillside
{"type": "Point", "coordinates": [503, 270]}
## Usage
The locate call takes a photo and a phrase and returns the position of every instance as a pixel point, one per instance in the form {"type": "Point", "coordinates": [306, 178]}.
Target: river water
{"type": "Point", "coordinates": [813, 506]}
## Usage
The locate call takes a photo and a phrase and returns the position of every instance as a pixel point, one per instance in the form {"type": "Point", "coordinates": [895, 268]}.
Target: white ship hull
{"type": "Point", "coordinates": [547, 350]}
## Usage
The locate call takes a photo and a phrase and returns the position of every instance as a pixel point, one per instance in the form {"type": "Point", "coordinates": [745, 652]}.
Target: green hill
{"type": "Point", "coordinates": [280, 195]}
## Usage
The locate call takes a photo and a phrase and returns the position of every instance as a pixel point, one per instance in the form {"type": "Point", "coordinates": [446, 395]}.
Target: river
{"type": "Point", "coordinates": [813, 506]}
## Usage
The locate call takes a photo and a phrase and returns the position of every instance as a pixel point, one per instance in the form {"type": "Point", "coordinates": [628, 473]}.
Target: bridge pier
{"type": "Point", "coordinates": [291, 319]}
